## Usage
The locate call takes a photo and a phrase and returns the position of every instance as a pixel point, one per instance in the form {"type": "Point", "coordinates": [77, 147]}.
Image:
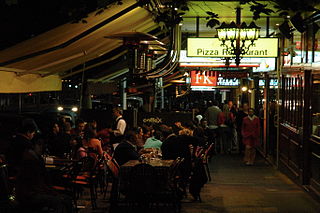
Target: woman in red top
{"type": "Point", "coordinates": [250, 136]}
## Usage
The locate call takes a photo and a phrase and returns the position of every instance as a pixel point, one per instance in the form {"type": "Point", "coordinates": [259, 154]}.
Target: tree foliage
{"type": "Point", "coordinates": [213, 19]}
{"type": "Point", "coordinates": [171, 13]}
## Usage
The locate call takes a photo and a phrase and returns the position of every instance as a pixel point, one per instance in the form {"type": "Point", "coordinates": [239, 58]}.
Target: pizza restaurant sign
{"type": "Point", "coordinates": [211, 47]}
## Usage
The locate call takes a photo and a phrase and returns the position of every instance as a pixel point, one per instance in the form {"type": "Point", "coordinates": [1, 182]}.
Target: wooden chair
{"type": "Point", "coordinates": [205, 158]}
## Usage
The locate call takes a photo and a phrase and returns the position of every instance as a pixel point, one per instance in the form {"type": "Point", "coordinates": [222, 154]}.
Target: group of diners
{"type": "Point", "coordinates": [27, 166]}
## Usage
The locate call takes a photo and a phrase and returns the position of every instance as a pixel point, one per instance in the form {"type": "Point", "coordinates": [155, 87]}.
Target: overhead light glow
{"type": "Point", "coordinates": [74, 109]}
{"type": "Point", "coordinates": [60, 108]}
{"type": "Point", "coordinates": [244, 89]}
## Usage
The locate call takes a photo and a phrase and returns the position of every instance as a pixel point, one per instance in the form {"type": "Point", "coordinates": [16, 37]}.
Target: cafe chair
{"type": "Point", "coordinates": [84, 174]}
{"type": "Point", "coordinates": [174, 194]}
{"type": "Point", "coordinates": [101, 168]}
{"type": "Point", "coordinates": [198, 178]}
{"type": "Point", "coordinates": [113, 175]}
{"type": "Point", "coordinates": [205, 159]}
{"type": "Point", "coordinates": [198, 152]}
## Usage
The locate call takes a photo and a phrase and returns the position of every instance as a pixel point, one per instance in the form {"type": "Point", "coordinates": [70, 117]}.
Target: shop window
{"type": "Point", "coordinates": [292, 102]}
{"type": "Point", "coordinates": [316, 108]}
{"type": "Point", "coordinates": [317, 47]}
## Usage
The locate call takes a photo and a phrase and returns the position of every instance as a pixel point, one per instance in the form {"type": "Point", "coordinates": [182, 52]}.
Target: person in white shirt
{"type": "Point", "coordinates": [118, 127]}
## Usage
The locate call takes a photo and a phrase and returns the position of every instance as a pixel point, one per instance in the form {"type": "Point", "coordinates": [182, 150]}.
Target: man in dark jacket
{"type": "Point", "coordinates": [127, 150]}
{"type": "Point", "coordinates": [20, 143]}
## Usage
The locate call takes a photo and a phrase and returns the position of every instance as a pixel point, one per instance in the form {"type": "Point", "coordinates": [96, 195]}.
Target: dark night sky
{"type": "Point", "coordinates": [23, 19]}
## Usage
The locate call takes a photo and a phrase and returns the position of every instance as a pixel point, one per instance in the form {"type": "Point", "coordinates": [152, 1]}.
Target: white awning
{"type": "Point", "coordinates": [44, 57]}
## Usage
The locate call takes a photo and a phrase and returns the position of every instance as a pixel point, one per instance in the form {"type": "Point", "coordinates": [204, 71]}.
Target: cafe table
{"type": "Point", "coordinates": [54, 162]}
{"type": "Point", "coordinates": [56, 167]}
{"type": "Point", "coordinates": [122, 196]}
{"type": "Point", "coordinates": [161, 168]}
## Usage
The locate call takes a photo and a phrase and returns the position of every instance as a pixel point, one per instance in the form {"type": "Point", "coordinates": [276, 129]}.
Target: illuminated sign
{"type": "Point", "coordinates": [202, 88]}
{"type": "Point", "coordinates": [211, 47]}
{"type": "Point", "coordinates": [228, 81]}
{"type": "Point", "coordinates": [257, 64]}
{"type": "Point", "coordinates": [233, 74]}
{"type": "Point", "coordinates": [272, 83]}
{"type": "Point", "coordinates": [208, 80]}
{"type": "Point", "coordinates": [203, 78]}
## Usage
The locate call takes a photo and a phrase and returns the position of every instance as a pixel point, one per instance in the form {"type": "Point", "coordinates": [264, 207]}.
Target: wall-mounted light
{"type": "Point", "coordinates": [244, 89]}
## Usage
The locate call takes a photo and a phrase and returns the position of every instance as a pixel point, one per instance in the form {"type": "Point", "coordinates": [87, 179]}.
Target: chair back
{"type": "Point", "coordinates": [84, 165]}
{"type": "Point", "coordinates": [175, 166]}
{"type": "Point", "coordinates": [198, 151]}
{"type": "Point", "coordinates": [113, 167]}
{"type": "Point", "coordinates": [173, 175]}
{"type": "Point", "coordinates": [207, 153]}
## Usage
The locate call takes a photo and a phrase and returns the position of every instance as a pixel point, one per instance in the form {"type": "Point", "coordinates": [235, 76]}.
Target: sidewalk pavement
{"type": "Point", "coordinates": [237, 188]}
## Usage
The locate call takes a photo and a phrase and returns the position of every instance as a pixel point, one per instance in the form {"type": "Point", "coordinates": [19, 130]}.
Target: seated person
{"type": "Point", "coordinates": [140, 138]}
{"type": "Point", "coordinates": [90, 143]}
{"type": "Point", "coordinates": [20, 143]}
{"type": "Point", "coordinates": [31, 189]}
{"type": "Point", "coordinates": [104, 135]}
{"type": "Point", "coordinates": [127, 149]}
{"type": "Point", "coordinates": [57, 143]}
{"type": "Point", "coordinates": [154, 141]}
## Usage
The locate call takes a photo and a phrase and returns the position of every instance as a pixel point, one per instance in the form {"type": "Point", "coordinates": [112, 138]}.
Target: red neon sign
{"type": "Point", "coordinates": [203, 78]}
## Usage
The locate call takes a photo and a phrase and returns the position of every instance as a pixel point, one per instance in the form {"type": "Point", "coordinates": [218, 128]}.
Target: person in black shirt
{"type": "Point", "coordinates": [127, 149]}
{"type": "Point", "coordinates": [19, 144]}
{"type": "Point", "coordinates": [58, 144]}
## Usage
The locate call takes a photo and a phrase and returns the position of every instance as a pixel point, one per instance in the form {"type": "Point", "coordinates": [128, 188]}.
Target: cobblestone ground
{"type": "Point", "coordinates": [236, 188]}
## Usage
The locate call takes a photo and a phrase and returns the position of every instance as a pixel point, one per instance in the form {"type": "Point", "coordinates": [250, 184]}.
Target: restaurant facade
{"type": "Point", "coordinates": [279, 75]}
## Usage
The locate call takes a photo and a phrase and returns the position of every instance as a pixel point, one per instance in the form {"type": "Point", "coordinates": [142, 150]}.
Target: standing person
{"type": "Point", "coordinates": [234, 111]}
{"type": "Point", "coordinates": [225, 121]}
{"type": "Point", "coordinates": [250, 136]}
{"type": "Point", "coordinates": [211, 115]}
{"type": "Point", "coordinates": [118, 127]}
{"type": "Point", "coordinates": [240, 116]}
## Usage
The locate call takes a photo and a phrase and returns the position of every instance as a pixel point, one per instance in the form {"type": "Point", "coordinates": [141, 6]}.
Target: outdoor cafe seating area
{"type": "Point", "coordinates": [149, 184]}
